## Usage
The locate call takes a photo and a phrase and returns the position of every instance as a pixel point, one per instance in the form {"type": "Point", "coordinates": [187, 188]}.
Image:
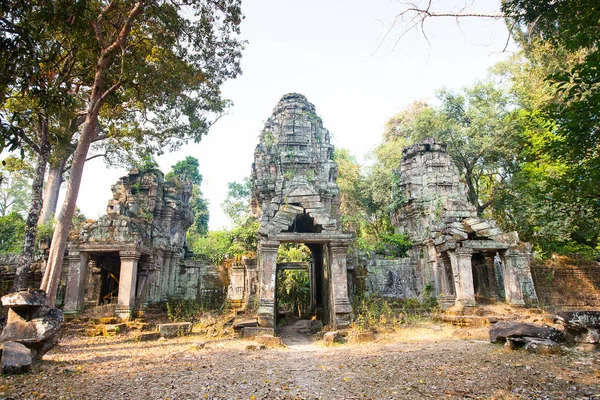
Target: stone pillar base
{"type": "Point", "coordinates": [124, 314]}
{"type": "Point", "coordinates": [266, 314]}
{"type": "Point", "coordinates": [343, 313]}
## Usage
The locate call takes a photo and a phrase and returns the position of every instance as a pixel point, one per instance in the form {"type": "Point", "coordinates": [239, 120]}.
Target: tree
{"type": "Point", "coordinates": [170, 64]}
{"type": "Point", "coordinates": [476, 124]}
{"type": "Point", "coordinates": [12, 227]}
{"type": "Point", "coordinates": [237, 203]}
{"type": "Point", "coordinates": [570, 115]}
{"type": "Point", "coordinates": [15, 185]}
{"type": "Point", "coordinates": [187, 171]}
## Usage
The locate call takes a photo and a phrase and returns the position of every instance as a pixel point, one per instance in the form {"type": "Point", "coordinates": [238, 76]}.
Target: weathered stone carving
{"type": "Point", "coordinates": [133, 251]}
{"type": "Point", "coordinates": [296, 198]}
{"type": "Point", "coordinates": [464, 256]}
{"type": "Point", "coordinates": [31, 322]}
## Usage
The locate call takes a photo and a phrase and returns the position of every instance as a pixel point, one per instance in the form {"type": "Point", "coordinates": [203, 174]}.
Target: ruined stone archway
{"type": "Point", "coordinates": [296, 198]}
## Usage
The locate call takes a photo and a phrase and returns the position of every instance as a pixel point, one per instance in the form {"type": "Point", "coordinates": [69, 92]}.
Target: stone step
{"type": "Point", "coordinates": [174, 329]}
{"type": "Point", "coordinates": [113, 329]}
{"type": "Point", "coordinates": [245, 323]}
{"type": "Point", "coordinates": [147, 336]}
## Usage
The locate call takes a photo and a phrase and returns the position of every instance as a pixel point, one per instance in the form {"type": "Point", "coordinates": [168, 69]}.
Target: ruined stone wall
{"type": "Point", "coordinates": [394, 278]}
{"type": "Point", "coordinates": [567, 282]}
{"type": "Point", "coordinates": [8, 266]}
{"type": "Point", "coordinates": [200, 280]}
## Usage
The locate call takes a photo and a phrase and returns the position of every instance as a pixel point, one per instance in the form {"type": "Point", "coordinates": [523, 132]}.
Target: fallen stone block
{"type": "Point", "coordinates": [542, 346]}
{"type": "Point", "coordinates": [269, 340]}
{"type": "Point", "coordinates": [251, 333]}
{"type": "Point", "coordinates": [488, 233]}
{"type": "Point", "coordinates": [30, 322]}
{"type": "Point", "coordinates": [147, 336]}
{"type": "Point", "coordinates": [579, 319]}
{"type": "Point", "coordinates": [365, 337]}
{"type": "Point", "coordinates": [245, 323]}
{"type": "Point", "coordinates": [16, 358]}
{"type": "Point", "coordinates": [481, 226]}
{"type": "Point", "coordinates": [331, 337]}
{"type": "Point", "coordinates": [174, 329]}
{"type": "Point", "coordinates": [113, 329]}
{"type": "Point", "coordinates": [590, 336]}
{"type": "Point", "coordinates": [501, 331]}
{"type": "Point", "coordinates": [108, 320]}
{"type": "Point", "coordinates": [581, 326]}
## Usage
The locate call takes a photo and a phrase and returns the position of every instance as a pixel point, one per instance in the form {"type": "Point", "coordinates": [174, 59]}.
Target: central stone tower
{"type": "Point", "coordinates": [296, 198]}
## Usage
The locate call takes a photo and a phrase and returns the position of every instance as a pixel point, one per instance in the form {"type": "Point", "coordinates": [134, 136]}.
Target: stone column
{"type": "Point", "coordinates": [513, 262]}
{"type": "Point", "coordinates": [154, 277]}
{"type": "Point", "coordinates": [460, 259]}
{"type": "Point", "coordinates": [165, 276]}
{"type": "Point", "coordinates": [491, 275]}
{"type": "Point", "coordinates": [267, 271]}
{"type": "Point", "coordinates": [76, 280]}
{"type": "Point", "coordinates": [127, 281]}
{"type": "Point", "coordinates": [342, 309]}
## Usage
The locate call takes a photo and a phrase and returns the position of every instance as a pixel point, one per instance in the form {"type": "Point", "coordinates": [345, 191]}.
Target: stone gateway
{"type": "Point", "coordinates": [296, 198]}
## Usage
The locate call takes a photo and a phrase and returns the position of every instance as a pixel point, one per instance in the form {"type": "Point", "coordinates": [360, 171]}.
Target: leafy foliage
{"type": "Point", "coordinates": [15, 185]}
{"type": "Point", "coordinates": [12, 227]}
{"type": "Point", "coordinates": [186, 171]}
{"type": "Point", "coordinates": [293, 291]}
{"type": "Point", "coordinates": [293, 252]}
{"type": "Point", "coordinates": [237, 203]}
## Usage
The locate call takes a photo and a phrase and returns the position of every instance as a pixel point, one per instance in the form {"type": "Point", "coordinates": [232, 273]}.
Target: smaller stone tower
{"type": "Point", "coordinates": [467, 258]}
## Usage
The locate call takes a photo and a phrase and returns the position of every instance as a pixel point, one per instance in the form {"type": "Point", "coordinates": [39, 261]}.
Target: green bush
{"type": "Point", "coordinates": [183, 310]}
{"type": "Point", "coordinates": [393, 245]}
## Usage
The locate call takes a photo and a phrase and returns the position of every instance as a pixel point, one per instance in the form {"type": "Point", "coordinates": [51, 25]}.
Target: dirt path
{"type": "Point", "coordinates": [414, 363]}
{"type": "Point", "coordinates": [296, 335]}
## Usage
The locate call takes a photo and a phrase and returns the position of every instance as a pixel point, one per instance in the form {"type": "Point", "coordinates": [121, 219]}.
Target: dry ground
{"type": "Point", "coordinates": [424, 361]}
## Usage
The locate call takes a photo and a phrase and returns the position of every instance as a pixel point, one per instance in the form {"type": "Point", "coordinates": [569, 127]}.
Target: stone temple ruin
{"type": "Point", "coordinates": [134, 250]}
{"type": "Point", "coordinates": [465, 258]}
{"type": "Point", "coordinates": [296, 198]}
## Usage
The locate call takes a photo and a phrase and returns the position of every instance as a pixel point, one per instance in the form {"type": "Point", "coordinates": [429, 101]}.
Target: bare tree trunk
{"type": "Point", "coordinates": [55, 179]}
{"type": "Point", "coordinates": [31, 224]}
{"type": "Point", "coordinates": [97, 98]}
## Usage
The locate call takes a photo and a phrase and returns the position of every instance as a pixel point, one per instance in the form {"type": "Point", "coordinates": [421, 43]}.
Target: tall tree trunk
{"type": "Point", "coordinates": [97, 98]}
{"type": "Point", "coordinates": [63, 225]}
{"type": "Point", "coordinates": [55, 179]}
{"type": "Point", "coordinates": [31, 224]}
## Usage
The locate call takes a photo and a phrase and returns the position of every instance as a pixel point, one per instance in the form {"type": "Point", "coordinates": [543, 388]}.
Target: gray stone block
{"type": "Point", "coordinates": [16, 358]}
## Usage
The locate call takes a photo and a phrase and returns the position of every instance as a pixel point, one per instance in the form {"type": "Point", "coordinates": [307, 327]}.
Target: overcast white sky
{"type": "Point", "coordinates": [328, 51]}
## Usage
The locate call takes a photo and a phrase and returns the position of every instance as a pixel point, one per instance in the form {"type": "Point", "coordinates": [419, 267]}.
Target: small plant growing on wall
{"type": "Point", "coordinates": [269, 139]}
{"type": "Point", "coordinates": [289, 174]}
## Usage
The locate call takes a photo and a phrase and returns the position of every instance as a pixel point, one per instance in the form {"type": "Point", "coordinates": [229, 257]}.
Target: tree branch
{"type": "Point", "coordinates": [416, 16]}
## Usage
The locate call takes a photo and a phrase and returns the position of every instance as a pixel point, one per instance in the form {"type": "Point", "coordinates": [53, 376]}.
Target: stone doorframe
{"type": "Point", "coordinates": [506, 277]}
{"type": "Point", "coordinates": [130, 271]}
{"type": "Point", "coordinates": [335, 246]}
